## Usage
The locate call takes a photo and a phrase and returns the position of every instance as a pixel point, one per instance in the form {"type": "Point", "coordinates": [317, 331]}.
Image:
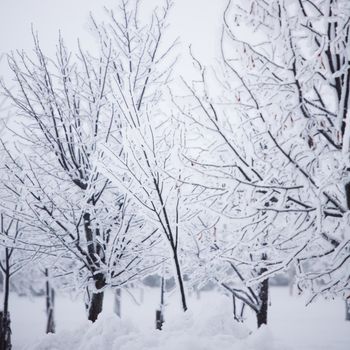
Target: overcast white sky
{"type": "Point", "coordinates": [194, 21]}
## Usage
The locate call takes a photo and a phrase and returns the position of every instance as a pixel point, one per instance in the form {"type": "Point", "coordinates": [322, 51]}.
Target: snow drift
{"type": "Point", "coordinates": [204, 331]}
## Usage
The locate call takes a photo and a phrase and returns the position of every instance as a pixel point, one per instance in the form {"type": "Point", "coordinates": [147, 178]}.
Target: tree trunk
{"type": "Point", "coordinates": [234, 307]}
{"type": "Point", "coordinates": [261, 315]}
{"type": "Point", "coordinates": [96, 301]}
{"type": "Point", "coordinates": [5, 331]}
{"type": "Point", "coordinates": [50, 305]}
{"type": "Point", "coordinates": [117, 301]}
{"type": "Point", "coordinates": [7, 276]}
{"type": "Point", "coordinates": [160, 312]}
{"type": "Point", "coordinates": [5, 322]}
{"type": "Point", "coordinates": [180, 281]}
{"type": "Point", "coordinates": [347, 309]}
{"type": "Point", "coordinates": [95, 304]}
{"type": "Point", "coordinates": [347, 194]}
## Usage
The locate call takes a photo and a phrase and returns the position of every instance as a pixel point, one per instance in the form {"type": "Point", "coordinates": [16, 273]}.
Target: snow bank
{"type": "Point", "coordinates": [203, 331]}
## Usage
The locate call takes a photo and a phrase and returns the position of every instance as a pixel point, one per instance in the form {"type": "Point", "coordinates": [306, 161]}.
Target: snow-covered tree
{"type": "Point", "coordinates": [147, 166]}
{"type": "Point", "coordinates": [251, 142]}
{"type": "Point", "coordinates": [65, 114]}
{"type": "Point", "coordinates": [295, 79]}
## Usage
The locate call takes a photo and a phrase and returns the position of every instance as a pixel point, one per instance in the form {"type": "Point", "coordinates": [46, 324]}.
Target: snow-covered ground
{"type": "Point", "coordinates": [319, 326]}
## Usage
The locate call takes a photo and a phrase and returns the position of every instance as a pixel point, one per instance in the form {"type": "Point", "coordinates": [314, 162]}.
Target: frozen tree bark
{"type": "Point", "coordinates": [95, 305]}
{"type": "Point", "coordinates": [97, 293]}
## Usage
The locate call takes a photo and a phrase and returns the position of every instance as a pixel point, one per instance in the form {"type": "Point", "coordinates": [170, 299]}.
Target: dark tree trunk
{"type": "Point", "coordinates": [5, 331]}
{"type": "Point", "coordinates": [89, 234]}
{"type": "Point", "coordinates": [159, 320]}
{"type": "Point", "coordinates": [180, 281]}
{"type": "Point", "coordinates": [96, 299]}
{"type": "Point", "coordinates": [6, 290]}
{"type": "Point", "coordinates": [94, 307]}
{"type": "Point", "coordinates": [5, 322]}
{"type": "Point", "coordinates": [347, 309]}
{"type": "Point", "coordinates": [261, 315]}
{"type": "Point", "coordinates": [234, 307]}
{"type": "Point", "coordinates": [117, 301]}
{"type": "Point", "coordinates": [173, 240]}
{"type": "Point", "coordinates": [347, 194]}
{"type": "Point", "coordinates": [50, 305]}
{"type": "Point", "coordinates": [160, 312]}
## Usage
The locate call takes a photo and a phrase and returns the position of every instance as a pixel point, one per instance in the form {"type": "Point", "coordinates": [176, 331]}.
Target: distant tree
{"type": "Point", "coordinates": [14, 256]}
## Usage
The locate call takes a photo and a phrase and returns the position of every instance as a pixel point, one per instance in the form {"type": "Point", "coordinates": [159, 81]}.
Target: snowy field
{"type": "Point", "coordinates": [320, 326]}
